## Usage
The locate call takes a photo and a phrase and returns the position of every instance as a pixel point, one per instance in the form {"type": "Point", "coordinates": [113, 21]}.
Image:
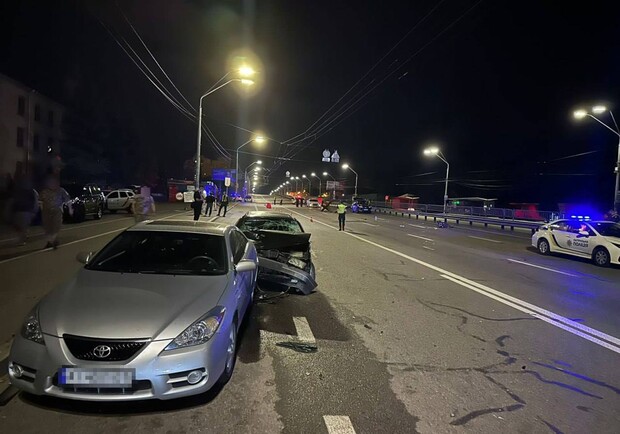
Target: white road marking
{"type": "Point", "coordinates": [422, 238]}
{"type": "Point", "coordinates": [417, 226]}
{"type": "Point", "coordinates": [369, 224]}
{"type": "Point", "coordinates": [256, 207]}
{"type": "Point", "coordinates": [304, 332]}
{"type": "Point", "coordinates": [485, 239]}
{"type": "Point", "coordinates": [542, 314]}
{"type": "Point", "coordinates": [559, 321]}
{"type": "Point", "coordinates": [36, 252]}
{"type": "Point", "coordinates": [543, 268]}
{"type": "Point", "coordinates": [428, 248]}
{"type": "Point", "coordinates": [70, 228]}
{"type": "Point", "coordinates": [338, 425]}
{"type": "Point", "coordinates": [380, 218]}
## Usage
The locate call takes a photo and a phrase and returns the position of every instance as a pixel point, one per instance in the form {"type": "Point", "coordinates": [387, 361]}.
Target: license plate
{"type": "Point", "coordinates": [96, 377]}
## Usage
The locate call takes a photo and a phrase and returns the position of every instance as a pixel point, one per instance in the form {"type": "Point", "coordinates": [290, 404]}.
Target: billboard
{"type": "Point", "coordinates": [222, 174]}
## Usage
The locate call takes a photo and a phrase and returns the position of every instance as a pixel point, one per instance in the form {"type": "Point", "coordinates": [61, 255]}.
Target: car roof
{"type": "Point", "coordinates": [188, 226]}
{"type": "Point", "coordinates": [268, 214]}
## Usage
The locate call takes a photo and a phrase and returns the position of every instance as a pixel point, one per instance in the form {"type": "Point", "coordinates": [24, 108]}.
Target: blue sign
{"type": "Point", "coordinates": [221, 174]}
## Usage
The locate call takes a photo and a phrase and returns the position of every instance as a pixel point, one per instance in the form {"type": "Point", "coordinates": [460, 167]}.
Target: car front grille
{"type": "Point", "coordinates": [103, 350]}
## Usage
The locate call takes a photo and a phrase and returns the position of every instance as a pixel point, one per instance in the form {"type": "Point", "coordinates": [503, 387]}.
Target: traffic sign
{"type": "Point", "coordinates": [227, 181]}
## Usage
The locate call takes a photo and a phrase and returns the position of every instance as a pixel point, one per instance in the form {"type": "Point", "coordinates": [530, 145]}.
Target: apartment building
{"type": "Point", "coordinates": [30, 128]}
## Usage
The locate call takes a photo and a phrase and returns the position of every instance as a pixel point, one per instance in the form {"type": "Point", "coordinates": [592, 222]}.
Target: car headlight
{"type": "Point", "coordinates": [31, 329]}
{"type": "Point", "coordinates": [200, 331]}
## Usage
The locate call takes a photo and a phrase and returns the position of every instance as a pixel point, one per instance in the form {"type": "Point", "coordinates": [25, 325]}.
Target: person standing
{"type": "Point", "coordinates": [197, 205]}
{"type": "Point", "coordinates": [209, 200]}
{"type": "Point", "coordinates": [52, 198]}
{"type": "Point", "coordinates": [25, 204]}
{"type": "Point", "coordinates": [223, 204]}
{"type": "Point", "coordinates": [342, 212]}
{"type": "Point", "coordinates": [143, 205]}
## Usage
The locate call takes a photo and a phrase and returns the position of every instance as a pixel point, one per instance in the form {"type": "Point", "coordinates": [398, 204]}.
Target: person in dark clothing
{"type": "Point", "coordinates": [280, 201]}
{"type": "Point", "coordinates": [25, 206]}
{"type": "Point", "coordinates": [223, 204]}
{"type": "Point", "coordinates": [209, 200]}
{"type": "Point", "coordinates": [197, 205]}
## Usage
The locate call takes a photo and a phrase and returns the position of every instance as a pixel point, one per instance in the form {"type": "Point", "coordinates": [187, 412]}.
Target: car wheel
{"type": "Point", "coordinates": [231, 354]}
{"type": "Point", "coordinates": [543, 246]}
{"type": "Point", "coordinates": [99, 213]}
{"type": "Point", "coordinates": [601, 257]}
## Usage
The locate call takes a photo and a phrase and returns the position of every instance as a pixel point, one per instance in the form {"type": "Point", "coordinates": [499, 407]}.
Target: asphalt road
{"type": "Point", "coordinates": [418, 329]}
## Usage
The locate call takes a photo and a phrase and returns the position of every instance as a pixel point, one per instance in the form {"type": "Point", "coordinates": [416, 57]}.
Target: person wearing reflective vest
{"type": "Point", "coordinates": [342, 212]}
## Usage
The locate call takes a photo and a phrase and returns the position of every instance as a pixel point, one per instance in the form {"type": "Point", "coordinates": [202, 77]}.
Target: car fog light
{"type": "Point", "coordinates": [194, 377]}
{"type": "Point", "coordinates": [18, 371]}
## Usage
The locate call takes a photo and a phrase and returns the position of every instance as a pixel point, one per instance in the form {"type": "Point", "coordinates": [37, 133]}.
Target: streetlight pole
{"type": "Point", "coordinates": [314, 174]}
{"type": "Point", "coordinates": [437, 153]}
{"type": "Point", "coordinates": [334, 186]}
{"type": "Point", "coordinates": [309, 184]}
{"type": "Point", "coordinates": [258, 139]}
{"type": "Point", "coordinates": [198, 141]}
{"type": "Point", "coordinates": [346, 166]}
{"type": "Point", "coordinates": [580, 114]}
{"type": "Point", "coordinates": [245, 174]}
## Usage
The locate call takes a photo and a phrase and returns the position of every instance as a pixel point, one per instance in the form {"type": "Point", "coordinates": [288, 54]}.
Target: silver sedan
{"type": "Point", "coordinates": [154, 314]}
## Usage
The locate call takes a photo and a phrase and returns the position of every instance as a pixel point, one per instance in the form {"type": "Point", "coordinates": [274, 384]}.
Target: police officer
{"type": "Point", "coordinates": [197, 205]}
{"type": "Point", "coordinates": [209, 207]}
{"type": "Point", "coordinates": [223, 204]}
{"type": "Point", "coordinates": [342, 212]}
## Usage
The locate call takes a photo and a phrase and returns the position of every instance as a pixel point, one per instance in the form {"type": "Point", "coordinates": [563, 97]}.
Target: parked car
{"type": "Point", "coordinates": [248, 198]}
{"type": "Point", "coordinates": [598, 241]}
{"type": "Point", "coordinates": [285, 257]}
{"type": "Point", "coordinates": [361, 205]}
{"type": "Point", "coordinates": [313, 202]}
{"type": "Point", "coordinates": [118, 200]}
{"type": "Point", "coordinates": [154, 314]}
{"type": "Point", "coordinates": [86, 201]}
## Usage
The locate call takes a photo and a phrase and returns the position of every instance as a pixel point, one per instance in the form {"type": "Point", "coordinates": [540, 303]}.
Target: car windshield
{"type": "Point", "coordinates": [156, 252]}
{"type": "Point", "coordinates": [274, 224]}
{"type": "Point", "coordinates": [608, 229]}
{"type": "Point", "coordinates": [74, 190]}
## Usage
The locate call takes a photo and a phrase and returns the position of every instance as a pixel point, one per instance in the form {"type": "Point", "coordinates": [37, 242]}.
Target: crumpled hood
{"type": "Point", "coordinates": [111, 305]}
{"type": "Point", "coordinates": [279, 240]}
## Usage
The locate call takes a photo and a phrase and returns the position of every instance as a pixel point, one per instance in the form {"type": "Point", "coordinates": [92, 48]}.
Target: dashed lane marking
{"type": "Point", "coordinates": [428, 248]}
{"type": "Point", "coordinates": [542, 268]}
{"type": "Point", "coordinates": [417, 226]}
{"type": "Point", "coordinates": [369, 224]}
{"type": "Point", "coordinates": [338, 425]}
{"type": "Point", "coordinates": [422, 238]}
{"type": "Point", "coordinates": [304, 332]}
{"type": "Point", "coordinates": [595, 336]}
{"type": "Point", "coordinates": [484, 239]}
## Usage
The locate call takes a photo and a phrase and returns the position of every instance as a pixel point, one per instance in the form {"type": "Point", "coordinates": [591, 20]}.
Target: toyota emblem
{"type": "Point", "coordinates": [102, 351]}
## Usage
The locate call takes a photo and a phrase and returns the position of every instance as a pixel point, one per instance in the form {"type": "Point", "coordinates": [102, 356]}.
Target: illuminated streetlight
{"type": "Point", "coordinates": [599, 109]}
{"type": "Point", "coordinates": [346, 166]}
{"type": "Point", "coordinates": [434, 151]}
{"type": "Point", "coordinates": [198, 142]}
{"type": "Point", "coordinates": [334, 186]}
{"type": "Point", "coordinates": [314, 175]}
{"type": "Point", "coordinates": [246, 71]}
{"type": "Point", "coordinates": [257, 139]}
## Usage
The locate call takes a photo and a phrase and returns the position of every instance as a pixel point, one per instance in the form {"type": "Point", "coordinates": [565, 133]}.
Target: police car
{"type": "Point", "coordinates": [595, 240]}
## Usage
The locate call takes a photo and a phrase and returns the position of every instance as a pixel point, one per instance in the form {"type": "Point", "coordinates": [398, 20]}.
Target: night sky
{"type": "Point", "coordinates": [493, 83]}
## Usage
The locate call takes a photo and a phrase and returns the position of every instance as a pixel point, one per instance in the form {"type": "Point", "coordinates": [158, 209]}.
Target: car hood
{"type": "Point", "coordinates": [279, 240]}
{"type": "Point", "coordinates": [111, 305]}
{"type": "Point", "coordinates": [614, 240]}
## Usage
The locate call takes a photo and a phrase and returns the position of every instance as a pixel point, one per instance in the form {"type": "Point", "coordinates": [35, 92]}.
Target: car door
{"type": "Point", "coordinates": [560, 232]}
{"type": "Point", "coordinates": [112, 200]}
{"type": "Point", "coordinates": [123, 200]}
{"type": "Point", "coordinates": [582, 238]}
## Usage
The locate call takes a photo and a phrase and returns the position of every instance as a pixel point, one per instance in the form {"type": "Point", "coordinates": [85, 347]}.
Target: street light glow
{"type": "Point", "coordinates": [345, 166]}
{"type": "Point", "coordinates": [598, 109]}
{"type": "Point", "coordinates": [259, 140]}
{"type": "Point", "coordinates": [303, 176]}
{"type": "Point", "coordinates": [247, 82]}
{"type": "Point", "coordinates": [431, 151]}
{"type": "Point", "coordinates": [325, 173]}
{"type": "Point", "coordinates": [259, 162]}
{"type": "Point", "coordinates": [246, 71]}
{"type": "Point", "coordinates": [580, 114]}
{"type": "Point", "coordinates": [313, 174]}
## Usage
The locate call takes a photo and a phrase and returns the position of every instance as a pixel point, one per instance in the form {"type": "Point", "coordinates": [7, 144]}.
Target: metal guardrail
{"type": "Point", "coordinates": [502, 213]}
{"type": "Point", "coordinates": [486, 221]}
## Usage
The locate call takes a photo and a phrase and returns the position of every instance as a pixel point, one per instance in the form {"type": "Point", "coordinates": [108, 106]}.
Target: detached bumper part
{"type": "Point", "coordinates": [285, 275]}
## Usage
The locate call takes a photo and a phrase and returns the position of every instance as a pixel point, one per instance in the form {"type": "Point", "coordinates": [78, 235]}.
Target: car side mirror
{"type": "Point", "coordinates": [84, 257]}
{"type": "Point", "coordinates": [245, 265]}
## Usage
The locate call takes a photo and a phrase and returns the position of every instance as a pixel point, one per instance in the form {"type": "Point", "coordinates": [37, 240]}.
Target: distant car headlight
{"type": "Point", "coordinates": [200, 331]}
{"type": "Point", "coordinates": [31, 329]}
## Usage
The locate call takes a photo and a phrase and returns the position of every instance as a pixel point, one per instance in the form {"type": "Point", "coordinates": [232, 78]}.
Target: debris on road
{"type": "Point", "coordinates": [298, 346]}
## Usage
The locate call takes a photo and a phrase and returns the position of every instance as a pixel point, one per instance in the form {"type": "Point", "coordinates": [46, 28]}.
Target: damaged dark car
{"type": "Point", "coordinates": [285, 257]}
